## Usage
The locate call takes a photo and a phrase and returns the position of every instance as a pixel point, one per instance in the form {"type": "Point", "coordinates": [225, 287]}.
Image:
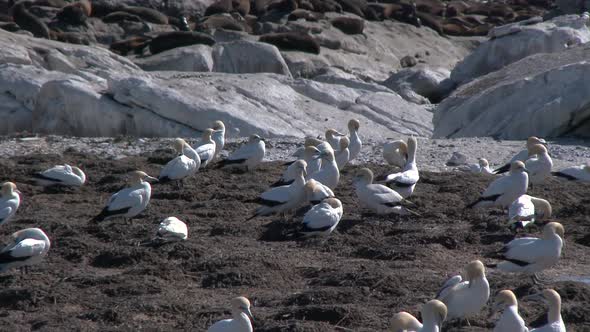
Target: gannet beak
{"type": "Point", "coordinates": [304, 172]}
{"type": "Point", "coordinates": [151, 179]}
{"type": "Point", "coordinates": [339, 134]}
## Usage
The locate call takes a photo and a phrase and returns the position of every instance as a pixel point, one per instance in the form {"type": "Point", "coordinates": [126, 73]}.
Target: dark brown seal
{"type": "Point", "coordinates": [349, 25]}
{"type": "Point", "coordinates": [75, 13]}
{"type": "Point", "coordinates": [28, 21]}
{"type": "Point", "coordinates": [305, 15]}
{"type": "Point", "coordinates": [292, 41]}
{"type": "Point", "coordinates": [219, 7]}
{"type": "Point", "coordinates": [147, 14]}
{"type": "Point", "coordinates": [135, 44]}
{"type": "Point", "coordinates": [219, 21]}
{"type": "Point", "coordinates": [116, 17]}
{"type": "Point", "coordinates": [169, 40]}
{"type": "Point", "coordinates": [324, 6]}
{"type": "Point", "coordinates": [241, 6]}
{"type": "Point", "coordinates": [71, 38]}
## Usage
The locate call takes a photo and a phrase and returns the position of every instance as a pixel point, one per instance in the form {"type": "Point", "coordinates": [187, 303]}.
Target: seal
{"type": "Point", "coordinates": [349, 25]}
{"type": "Point", "coordinates": [147, 14]}
{"type": "Point", "coordinates": [180, 22]}
{"type": "Point", "coordinates": [434, 7]}
{"type": "Point", "coordinates": [431, 21]}
{"type": "Point", "coordinates": [219, 21]}
{"type": "Point", "coordinates": [324, 6]}
{"type": "Point", "coordinates": [219, 7]}
{"type": "Point", "coordinates": [117, 17]}
{"type": "Point", "coordinates": [28, 21]}
{"type": "Point", "coordinates": [241, 6]}
{"type": "Point", "coordinates": [135, 44]}
{"type": "Point", "coordinates": [9, 26]}
{"type": "Point", "coordinates": [70, 37]}
{"type": "Point", "coordinates": [357, 7]}
{"type": "Point", "coordinates": [304, 14]}
{"type": "Point", "coordinates": [384, 11]}
{"type": "Point", "coordinates": [75, 13]}
{"type": "Point", "coordinates": [169, 40]}
{"type": "Point", "coordinates": [292, 41]}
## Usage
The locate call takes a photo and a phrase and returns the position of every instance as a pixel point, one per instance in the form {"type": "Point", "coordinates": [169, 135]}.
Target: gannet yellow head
{"type": "Point", "coordinates": [475, 269]}
{"type": "Point", "coordinates": [179, 145]}
{"type": "Point", "coordinates": [403, 321]}
{"type": "Point", "coordinates": [365, 175]}
{"type": "Point", "coordinates": [331, 133]}
{"type": "Point", "coordinates": [344, 142]}
{"type": "Point", "coordinates": [537, 149]}
{"type": "Point", "coordinates": [554, 228]}
{"type": "Point", "coordinates": [542, 207]}
{"type": "Point", "coordinates": [483, 162]}
{"type": "Point", "coordinates": [140, 176]}
{"type": "Point", "coordinates": [207, 134]}
{"type": "Point", "coordinates": [312, 141]}
{"type": "Point", "coordinates": [301, 167]}
{"type": "Point", "coordinates": [241, 305]}
{"type": "Point", "coordinates": [255, 138]}
{"type": "Point", "coordinates": [8, 188]}
{"type": "Point", "coordinates": [333, 202]}
{"type": "Point", "coordinates": [354, 125]}
{"type": "Point", "coordinates": [535, 140]}
{"type": "Point", "coordinates": [218, 125]}
{"type": "Point", "coordinates": [517, 167]}
{"type": "Point", "coordinates": [436, 310]}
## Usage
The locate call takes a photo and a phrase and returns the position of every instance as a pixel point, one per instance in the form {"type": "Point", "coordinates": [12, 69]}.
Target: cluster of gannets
{"type": "Point", "coordinates": [575, 173]}
{"type": "Point", "coordinates": [128, 202]}
{"type": "Point", "coordinates": [322, 218]}
{"type": "Point", "coordinates": [510, 319]}
{"type": "Point", "coordinates": [538, 164]}
{"type": "Point", "coordinates": [434, 313]}
{"type": "Point", "coordinates": [206, 147]}
{"type": "Point", "coordinates": [61, 175]}
{"type": "Point", "coordinates": [525, 209]}
{"type": "Point", "coordinates": [28, 247]}
{"type": "Point", "coordinates": [249, 154]}
{"type": "Point", "coordinates": [554, 320]}
{"type": "Point", "coordinates": [522, 155]}
{"type": "Point", "coordinates": [218, 137]}
{"type": "Point", "coordinates": [240, 310]}
{"type": "Point", "coordinates": [529, 255]}
{"type": "Point", "coordinates": [343, 154]}
{"type": "Point", "coordinates": [482, 167]}
{"type": "Point", "coordinates": [315, 192]}
{"type": "Point", "coordinates": [395, 153]}
{"type": "Point", "coordinates": [504, 190]}
{"type": "Point", "coordinates": [9, 202]}
{"type": "Point", "coordinates": [466, 298]}
{"type": "Point", "coordinates": [181, 166]}
{"type": "Point", "coordinates": [405, 181]}
{"type": "Point", "coordinates": [377, 197]}
{"type": "Point", "coordinates": [329, 174]}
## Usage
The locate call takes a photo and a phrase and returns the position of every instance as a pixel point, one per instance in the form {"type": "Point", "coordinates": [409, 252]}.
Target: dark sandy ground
{"type": "Point", "coordinates": [96, 277]}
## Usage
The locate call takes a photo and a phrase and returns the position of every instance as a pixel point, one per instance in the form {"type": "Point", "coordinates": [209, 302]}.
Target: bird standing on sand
{"type": "Point", "coordinates": [333, 138]}
{"type": "Point", "coordinates": [554, 320]}
{"type": "Point", "coordinates": [218, 137]}
{"type": "Point", "coordinates": [206, 148]}
{"type": "Point", "coordinates": [240, 321]}
{"type": "Point", "coordinates": [29, 246]}
{"type": "Point", "coordinates": [249, 154]}
{"type": "Point", "coordinates": [510, 319]}
{"type": "Point", "coordinates": [9, 202]}
{"type": "Point", "coordinates": [353, 136]}
{"type": "Point", "coordinates": [61, 175]}
{"type": "Point", "coordinates": [376, 197]}
{"type": "Point", "coordinates": [395, 153]}
{"type": "Point", "coordinates": [434, 313]}
{"type": "Point", "coordinates": [539, 164]}
{"type": "Point", "coordinates": [504, 190]}
{"type": "Point", "coordinates": [328, 175]}
{"type": "Point", "coordinates": [522, 155]}
{"type": "Point", "coordinates": [405, 181]}
{"type": "Point", "coordinates": [181, 166]}
{"type": "Point", "coordinates": [343, 154]}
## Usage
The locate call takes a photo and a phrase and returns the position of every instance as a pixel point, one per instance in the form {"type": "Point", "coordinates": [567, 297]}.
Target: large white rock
{"type": "Point", "coordinates": [551, 36]}
{"type": "Point", "coordinates": [245, 56]}
{"type": "Point", "coordinates": [189, 58]}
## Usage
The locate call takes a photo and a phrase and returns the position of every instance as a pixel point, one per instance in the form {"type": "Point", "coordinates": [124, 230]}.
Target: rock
{"type": "Point", "coordinates": [248, 57]}
{"type": "Point", "coordinates": [408, 61]}
{"type": "Point", "coordinates": [189, 58]}
{"type": "Point", "coordinates": [423, 81]}
{"type": "Point", "coordinates": [457, 159]}
{"type": "Point", "coordinates": [523, 40]}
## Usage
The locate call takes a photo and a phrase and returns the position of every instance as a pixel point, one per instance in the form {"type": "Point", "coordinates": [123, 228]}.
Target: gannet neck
{"type": "Point", "coordinates": [542, 206]}
{"type": "Point", "coordinates": [554, 313]}
{"type": "Point", "coordinates": [412, 147]}
{"type": "Point", "coordinates": [80, 174]}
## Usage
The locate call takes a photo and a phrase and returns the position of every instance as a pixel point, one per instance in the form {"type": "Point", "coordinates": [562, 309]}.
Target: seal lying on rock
{"type": "Point", "coordinates": [75, 13]}
{"type": "Point", "coordinates": [306, 15]}
{"type": "Point", "coordinates": [323, 6]}
{"type": "Point", "coordinates": [28, 21]}
{"type": "Point", "coordinates": [147, 14]}
{"type": "Point", "coordinates": [169, 40]}
{"type": "Point", "coordinates": [70, 37]}
{"type": "Point", "coordinates": [135, 44]}
{"type": "Point", "coordinates": [219, 7]}
{"type": "Point", "coordinates": [218, 21]}
{"type": "Point", "coordinates": [117, 17]}
{"type": "Point", "coordinates": [292, 41]}
{"type": "Point", "coordinates": [349, 25]}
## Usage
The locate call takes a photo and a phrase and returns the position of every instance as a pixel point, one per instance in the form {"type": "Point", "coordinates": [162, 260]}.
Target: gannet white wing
{"type": "Point", "coordinates": [574, 173]}
{"type": "Point", "coordinates": [522, 208]}
{"type": "Point", "coordinates": [178, 168]}
{"type": "Point", "coordinates": [526, 250]}
{"type": "Point", "coordinates": [172, 228]}
{"type": "Point", "coordinates": [279, 195]}
{"type": "Point", "coordinates": [206, 153]}
{"type": "Point", "coordinates": [448, 286]}
{"type": "Point", "coordinates": [6, 212]}
{"type": "Point", "coordinates": [244, 152]}
{"type": "Point", "coordinates": [22, 250]}
{"type": "Point", "coordinates": [321, 217]}
{"type": "Point", "coordinates": [125, 199]}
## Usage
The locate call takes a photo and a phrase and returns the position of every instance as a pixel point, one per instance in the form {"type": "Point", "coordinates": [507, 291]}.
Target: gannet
{"type": "Point", "coordinates": [376, 197]}
{"type": "Point", "coordinates": [28, 247]}
{"type": "Point", "coordinates": [316, 192]}
{"type": "Point", "coordinates": [249, 154]}
{"type": "Point", "coordinates": [181, 166]}
{"type": "Point", "coordinates": [343, 154]}
{"type": "Point", "coordinates": [434, 313]}
{"type": "Point", "coordinates": [328, 175]}
{"type": "Point", "coordinates": [284, 198]}
{"type": "Point", "coordinates": [240, 309]}
{"type": "Point", "coordinates": [405, 181]}
{"type": "Point", "coordinates": [554, 320]}
{"type": "Point", "coordinates": [575, 173]}
{"type": "Point", "coordinates": [310, 155]}
{"type": "Point", "coordinates": [482, 167]}
{"type": "Point", "coordinates": [466, 298]}
{"type": "Point", "coordinates": [355, 141]}
{"type": "Point", "coordinates": [9, 202]}
{"type": "Point", "coordinates": [510, 319]}
{"type": "Point", "coordinates": [170, 229]}
{"type": "Point", "coordinates": [311, 141]}
{"type": "Point", "coordinates": [524, 210]}
{"type": "Point", "coordinates": [333, 138]}
{"type": "Point", "coordinates": [504, 190]}
{"type": "Point", "coordinates": [522, 155]}
{"type": "Point", "coordinates": [218, 137]}
{"type": "Point", "coordinates": [396, 153]}
{"type": "Point", "coordinates": [206, 147]}
{"type": "Point", "coordinates": [539, 164]}
{"type": "Point", "coordinates": [61, 175]}
{"type": "Point", "coordinates": [323, 218]}
{"type": "Point", "coordinates": [529, 255]}
{"type": "Point", "coordinates": [128, 202]}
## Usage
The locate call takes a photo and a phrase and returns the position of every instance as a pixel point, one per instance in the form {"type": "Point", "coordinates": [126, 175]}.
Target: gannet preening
{"type": "Point", "coordinates": [323, 218]}
{"type": "Point", "coordinates": [218, 137]}
{"type": "Point", "coordinates": [206, 147]}
{"type": "Point", "coordinates": [405, 181]}
{"type": "Point", "coordinates": [525, 209]}
{"type": "Point", "coordinates": [9, 202]}
{"type": "Point", "coordinates": [376, 197]}
{"type": "Point", "coordinates": [482, 167]}
{"type": "Point", "coordinates": [510, 319]}
{"type": "Point", "coordinates": [529, 255]}
{"type": "Point", "coordinates": [539, 164]}
{"type": "Point", "coordinates": [284, 198]}
{"type": "Point", "coordinates": [343, 154]}
{"type": "Point", "coordinates": [181, 166]}
{"type": "Point", "coordinates": [522, 155]}
{"type": "Point", "coordinates": [170, 229]}
{"type": "Point", "coordinates": [240, 310]}
{"type": "Point", "coordinates": [434, 313]}
{"type": "Point", "coordinates": [128, 202]}
{"type": "Point", "coordinates": [396, 153]}
{"type": "Point", "coordinates": [554, 320]}
{"type": "Point", "coordinates": [249, 154]}
{"type": "Point", "coordinates": [61, 175]}
{"type": "Point", "coordinates": [328, 175]}
{"type": "Point", "coordinates": [316, 192]}
{"type": "Point", "coordinates": [355, 141]}
{"type": "Point", "coordinates": [504, 190]}
{"type": "Point", "coordinates": [28, 247]}
{"type": "Point", "coordinates": [575, 173]}
{"type": "Point", "coordinates": [466, 298]}
{"type": "Point", "coordinates": [333, 137]}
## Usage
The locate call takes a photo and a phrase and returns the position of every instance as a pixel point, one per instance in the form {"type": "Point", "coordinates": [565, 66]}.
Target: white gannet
{"type": "Point", "coordinates": [240, 310]}
{"type": "Point", "coordinates": [328, 175]}
{"type": "Point", "coordinates": [529, 255]}
{"type": "Point", "coordinates": [510, 319]}
{"type": "Point", "coordinates": [575, 173]}
{"type": "Point", "coordinates": [218, 137]}
{"type": "Point", "coordinates": [284, 198]}
{"type": "Point", "coordinates": [170, 229]}
{"type": "Point", "coordinates": [539, 164]}
{"type": "Point", "coordinates": [61, 175]}
{"type": "Point", "coordinates": [181, 166]}
{"type": "Point", "coordinates": [525, 209]}
{"type": "Point", "coordinates": [316, 192]}
{"type": "Point", "coordinates": [482, 167]}
{"type": "Point", "coordinates": [249, 154]}
{"type": "Point", "coordinates": [128, 202]}
{"type": "Point", "coordinates": [554, 320]}
{"type": "Point", "coordinates": [310, 141]}
{"type": "Point", "coordinates": [434, 313]}
{"type": "Point", "coordinates": [206, 147]}
{"type": "Point", "coordinates": [355, 141]}
{"type": "Point", "coordinates": [28, 247]}
{"type": "Point", "coordinates": [504, 190]}
{"type": "Point", "coordinates": [9, 202]}
{"type": "Point", "coordinates": [343, 154]}
{"type": "Point", "coordinates": [376, 197]}
{"type": "Point", "coordinates": [466, 298]}
{"type": "Point", "coordinates": [405, 181]}
{"type": "Point", "coordinates": [322, 218]}
{"type": "Point", "coordinates": [396, 153]}
{"type": "Point", "coordinates": [333, 138]}
{"type": "Point", "coordinates": [310, 155]}
{"type": "Point", "coordinates": [522, 155]}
